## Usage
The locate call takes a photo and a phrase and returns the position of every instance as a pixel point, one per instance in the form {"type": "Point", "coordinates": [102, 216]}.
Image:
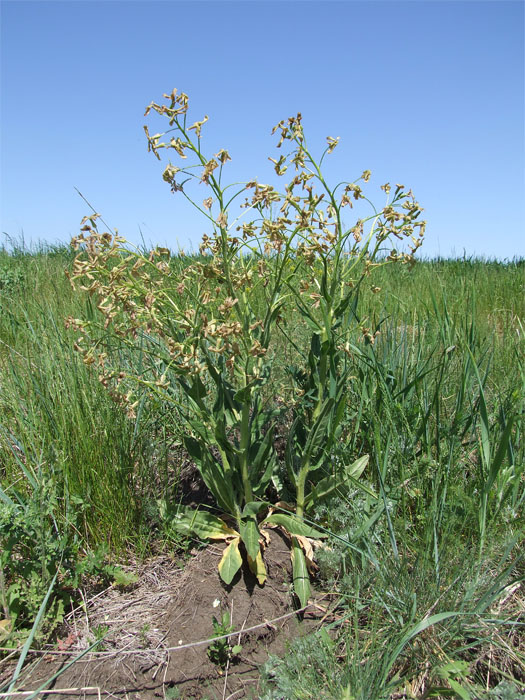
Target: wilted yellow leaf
{"type": "Point", "coordinates": [5, 628]}
{"type": "Point", "coordinates": [257, 568]}
{"type": "Point", "coordinates": [231, 561]}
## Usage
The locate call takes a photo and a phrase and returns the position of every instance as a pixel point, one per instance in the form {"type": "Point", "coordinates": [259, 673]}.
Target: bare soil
{"type": "Point", "coordinates": [151, 647]}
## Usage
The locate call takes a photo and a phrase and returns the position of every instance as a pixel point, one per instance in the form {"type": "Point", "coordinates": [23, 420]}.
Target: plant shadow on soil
{"type": "Point", "coordinates": [170, 608]}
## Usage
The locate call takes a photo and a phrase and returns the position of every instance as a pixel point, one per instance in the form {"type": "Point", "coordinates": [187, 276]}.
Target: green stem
{"type": "Point", "coordinates": [3, 593]}
{"type": "Point", "coordinates": [301, 485]}
{"type": "Point", "coordinates": [245, 446]}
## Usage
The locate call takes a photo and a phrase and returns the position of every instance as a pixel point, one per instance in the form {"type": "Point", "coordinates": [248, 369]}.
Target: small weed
{"type": "Point", "coordinates": [99, 633]}
{"type": "Point", "coordinates": [222, 651]}
{"type": "Point", "coordinates": [172, 693]}
{"type": "Point", "coordinates": [507, 691]}
{"type": "Point", "coordinates": [143, 634]}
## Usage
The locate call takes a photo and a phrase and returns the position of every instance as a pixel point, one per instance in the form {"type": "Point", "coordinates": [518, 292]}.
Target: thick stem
{"type": "Point", "coordinates": [245, 446]}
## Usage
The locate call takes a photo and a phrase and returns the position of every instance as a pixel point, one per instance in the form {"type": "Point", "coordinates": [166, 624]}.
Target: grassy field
{"type": "Point", "coordinates": [427, 560]}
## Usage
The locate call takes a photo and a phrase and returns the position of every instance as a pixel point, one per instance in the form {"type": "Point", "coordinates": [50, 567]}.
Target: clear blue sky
{"type": "Point", "coordinates": [429, 94]}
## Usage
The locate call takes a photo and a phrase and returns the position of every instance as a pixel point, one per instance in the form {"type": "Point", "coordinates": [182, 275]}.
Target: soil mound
{"type": "Point", "coordinates": [154, 634]}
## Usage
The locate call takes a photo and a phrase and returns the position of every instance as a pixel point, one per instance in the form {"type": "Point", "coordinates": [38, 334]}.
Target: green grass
{"type": "Point", "coordinates": [55, 416]}
{"type": "Point", "coordinates": [437, 401]}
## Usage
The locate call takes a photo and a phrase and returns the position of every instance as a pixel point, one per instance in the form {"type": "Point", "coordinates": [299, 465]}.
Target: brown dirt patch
{"type": "Point", "coordinates": [151, 631]}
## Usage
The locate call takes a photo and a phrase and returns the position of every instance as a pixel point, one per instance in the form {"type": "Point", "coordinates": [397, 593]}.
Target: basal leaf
{"type": "Point", "coordinates": [257, 567]}
{"type": "Point", "coordinates": [250, 535]}
{"type": "Point", "coordinates": [294, 525]}
{"type": "Point", "coordinates": [203, 524]}
{"type": "Point", "coordinates": [231, 561]}
{"type": "Point", "coordinates": [301, 578]}
{"type": "Point", "coordinates": [306, 545]}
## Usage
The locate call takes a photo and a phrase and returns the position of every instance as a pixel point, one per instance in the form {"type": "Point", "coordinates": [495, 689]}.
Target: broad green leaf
{"type": "Point", "coordinates": [231, 561]}
{"type": "Point", "coordinates": [195, 391]}
{"type": "Point", "coordinates": [224, 403]}
{"type": "Point", "coordinates": [301, 577]}
{"type": "Point", "coordinates": [315, 351]}
{"type": "Point", "coordinates": [306, 545]}
{"type": "Point", "coordinates": [203, 524]}
{"type": "Point", "coordinates": [250, 535]}
{"type": "Point", "coordinates": [278, 483]}
{"type": "Point", "coordinates": [325, 636]}
{"type": "Point", "coordinates": [324, 488]}
{"type": "Point", "coordinates": [457, 667]}
{"type": "Point", "coordinates": [293, 525]}
{"type": "Point", "coordinates": [358, 467]}
{"type": "Point", "coordinates": [253, 508]}
{"type": "Point", "coordinates": [459, 689]}
{"type": "Point", "coordinates": [244, 394]}
{"type": "Point", "coordinates": [308, 317]}
{"type": "Point", "coordinates": [257, 567]}
{"type": "Point", "coordinates": [341, 401]}
{"type": "Point", "coordinates": [193, 448]}
{"type": "Point", "coordinates": [342, 306]}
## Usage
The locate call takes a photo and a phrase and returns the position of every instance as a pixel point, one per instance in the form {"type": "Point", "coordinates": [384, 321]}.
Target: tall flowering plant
{"type": "Point", "coordinates": [208, 329]}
